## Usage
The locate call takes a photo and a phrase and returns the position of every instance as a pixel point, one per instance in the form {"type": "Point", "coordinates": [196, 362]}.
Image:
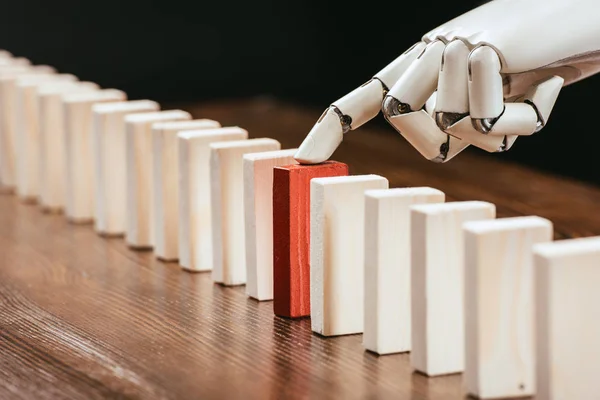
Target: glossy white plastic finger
{"type": "Point", "coordinates": [421, 131]}
{"type": "Point", "coordinates": [394, 70]}
{"type": "Point", "coordinates": [453, 88]}
{"type": "Point", "coordinates": [420, 80]}
{"type": "Point", "coordinates": [352, 110]}
{"type": "Point", "coordinates": [486, 94]}
{"type": "Point", "coordinates": [544, 96]}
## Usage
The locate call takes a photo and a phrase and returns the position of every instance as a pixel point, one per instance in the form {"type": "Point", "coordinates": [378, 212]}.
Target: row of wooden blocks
{"type": "Point", "coordinates": [495, 299]}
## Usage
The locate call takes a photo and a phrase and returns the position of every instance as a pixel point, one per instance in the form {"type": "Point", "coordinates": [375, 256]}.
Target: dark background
{"type": "Point", "coordinates": [307, 52]}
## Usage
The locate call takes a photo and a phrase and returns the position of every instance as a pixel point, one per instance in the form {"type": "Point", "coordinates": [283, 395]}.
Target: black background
{"type": "Point", "coordinates": [308, 52]}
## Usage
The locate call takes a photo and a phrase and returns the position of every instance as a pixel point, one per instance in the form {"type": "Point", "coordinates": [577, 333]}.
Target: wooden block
{"type": "Point", "coordinates": [110, 161]}
{"type": "Point", "coordinates": [258, 211]}
{"type": "Point", "coordinates": [139, 233]}
{"type": "Point", "coordinates": [567, 302]}
{"type": "Point", "coordinates": [24, 65]}
{"type": "Point", "coordinates": [227, 193]}
{"type": "Point", "coordinates": [499, 305]}
{"type": "Point", "coordinates": [165, 175]}
{"type": "Point", "coordinates": [337, 232]}
{"type": "Point", "coordinates": [52, 170]}
{"type": "Point", "coordinates": [9, 61]}
{"type": "Point", "coordinates": [28, 132]}
{"type": "Point", "coordinates": [79, 182]}
{"type": "Point", "coordinates": [5, 54]}
{"type": "Point", "coordinates": [9, 118]}
{"type": "Point", "coordinates": [387, 324]}
{"type": "Point", "coordinates": [291, 234]}
{"type": "Point", "coordinates": [195, 221]}
{"type": "Point", "coordinates": [437, 289]}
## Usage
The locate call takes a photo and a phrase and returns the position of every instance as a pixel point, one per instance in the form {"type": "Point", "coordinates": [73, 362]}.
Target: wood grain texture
{"type": "Point", "coordinates": [227, 206]}
{"type": "Point", "coordinates": [567, 303]}
{"type": "Point", "coordinates": [258, 213]}
{"type": "Point", "coordinates": [499, 305]}
{"type": "Point", "coordinates": [165, 177]}
{"type": "Point", "coordinates": [110, 161]}
{"type": "Point", "coordinates": [337, 232]}
{"type": "Point", "coordinates": [28, 132]}
{"type": "Point", "coordinates": [291, 234]}
{"type": "Point", "coordinates": [437, 283]}
{"type": "Point", "coordinates": [195, 211]}
{"type": "Point", "coordinates": [8, 117]}
{"type": "Point", "coordinates": [139, 232]}
{"type": "Point", "coordinates": [387, 326]}
{"type": "Point", "coordinates": [52, 172]}
{"type": "Point", "coordinates": [79, 182]}
{"type": "Point", "coordinates": [84, 317]}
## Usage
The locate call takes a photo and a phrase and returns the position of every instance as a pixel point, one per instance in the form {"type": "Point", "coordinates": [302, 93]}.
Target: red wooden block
{"type": "Point", "coordinates": [291, 234]}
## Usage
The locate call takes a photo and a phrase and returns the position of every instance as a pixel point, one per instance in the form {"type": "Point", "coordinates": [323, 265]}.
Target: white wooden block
{"type": "Point", "coordinates": [337, 243]}
{"type": "Point", "coordinates": [52, 172]}
{"type": "Point", "coordinates": [258, 212]}
{"type": "Point", "coordinates": [195, 216]}
{"type": "Point", "coordinates": [28, 132]}
{"type": "Point", "coordinates": [79, 182]}
{"type": "Point", "coordinates": [22, 65]}
{"type": "Point", "coordinates": [139, 232]}
{"type": "Point", "coordinates": [165, 175]}
{"type": "Point", "coordinates": [437, 289]}
{"type": "Point", "coordinates": [110, 161]}
{"type": "Point", "coordinates": [6, 141]}
{"type": "Point", "coordinates": [9, 117]}
{"type": "Point", "coordinates": [387, 306]}
{"type": "Point", "coordinates": [10, 61]}
{"type": "Point", "coordinates": [7, 56]}
{"type": "Point", "coordinates": [499, 305]}
{"type": "Point", "coordinates": [227, 206]}
{"type": "Point", "coordinates": [567, 278]}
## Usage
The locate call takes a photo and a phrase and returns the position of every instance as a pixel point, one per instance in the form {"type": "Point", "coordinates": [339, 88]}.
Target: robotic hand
{"type": "Point", "coordinates": [483, 78]}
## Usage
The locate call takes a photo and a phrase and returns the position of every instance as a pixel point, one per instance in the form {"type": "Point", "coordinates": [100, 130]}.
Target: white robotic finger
{"type": "Point", "coordinates": [353, 110]}
{"type": "Point", "coordinates": [420, 79]}
{"type": "Point", "coordinates": [542, 97]}
{"type": "Point", "coordinates": [517, 119]}
{"type": "Point", "coordinates": [486, 105]}
{"type": "Point", "coordinates": [325, 136]}
{"type": "Point", "coordinates": [453, 91]}
{"type": "Point", "coordinates": [403, 107]}
{"type": "Point", "coordinates": [465, 130]}
{"type": "Point", "coordinates": [531, 116]}
{"type": "Point", "coordinates": [456, 78]}
{"type": "Point", "coordinates": [430, 104]}
{"type": "Point", "coordinates": [421, 131]}
{"type": "Point", "coordinates": [393, 71]}
{"type": "Point", "coordinates": [486, 93]}
{"type": "Point", "coordinates": [364, 103]}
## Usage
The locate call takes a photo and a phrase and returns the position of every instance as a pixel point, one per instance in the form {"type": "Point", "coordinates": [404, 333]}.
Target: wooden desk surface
{"type": "Point", "coordinates": [85, 317]}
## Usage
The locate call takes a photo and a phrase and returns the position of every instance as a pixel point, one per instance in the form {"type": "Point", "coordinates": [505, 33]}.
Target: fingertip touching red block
{"type": "Point", "coordinates": [291, 234]}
